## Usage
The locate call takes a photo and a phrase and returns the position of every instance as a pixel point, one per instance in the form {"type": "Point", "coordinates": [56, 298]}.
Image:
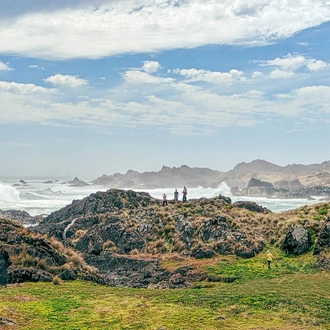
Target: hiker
{"type": "Point", "coordinates": [269, 258]}
{"type": "Point", "coordinates": [176, 196]}
{"type": "Point", "coordinates": [184, 194]}
{"type": "Point", "coordinates": [164, 199]}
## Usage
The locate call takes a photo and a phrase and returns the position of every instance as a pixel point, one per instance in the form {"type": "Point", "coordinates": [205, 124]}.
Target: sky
{"type": "Point", "coordinates": [98, 87]}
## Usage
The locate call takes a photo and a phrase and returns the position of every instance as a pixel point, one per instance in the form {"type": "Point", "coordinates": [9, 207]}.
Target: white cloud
{"type": "Point", "coordinates": [194, 75]}
{"type": "Point", "coordinates": [151, 66]}
{"type": "Point", "coordinates": [94, 30]}
{"type": "Point", "coordinates": [279, 74]}
{"type": "Point", "coordinates": [315, 65]}
{"type": "Point", "coordinates": [35, 66]}
{"type": "Point", "coordinates": [18, 88]}
{"type": "Point", "coordinates": [257, 74]}
{"type": "Point", "coordinates": [66, 80]}
{"type": "Point", "coordinates": [295, 62]}
{"type": "Point", "coordinates": [139, 77]}
{"type": "Point", "coordinates": [4, 67]}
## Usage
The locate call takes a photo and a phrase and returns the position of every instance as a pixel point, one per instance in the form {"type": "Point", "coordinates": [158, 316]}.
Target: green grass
{"type": "Point", "coordinates": [292, 295]}
{"type": "Point", "coordinates": [247, 269]}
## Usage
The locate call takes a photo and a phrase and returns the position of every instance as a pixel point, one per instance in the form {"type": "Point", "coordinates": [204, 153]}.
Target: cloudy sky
{"type": "Point", "coordinates": [94, 87]}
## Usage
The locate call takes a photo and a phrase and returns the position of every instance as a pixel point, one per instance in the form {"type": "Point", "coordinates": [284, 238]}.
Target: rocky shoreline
{"type": "Point", "coordinates": [119, 238]}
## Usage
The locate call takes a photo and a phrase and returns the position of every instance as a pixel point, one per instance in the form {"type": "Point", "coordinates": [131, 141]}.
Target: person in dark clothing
{"type": "Point", "coordinates": [176, 195]}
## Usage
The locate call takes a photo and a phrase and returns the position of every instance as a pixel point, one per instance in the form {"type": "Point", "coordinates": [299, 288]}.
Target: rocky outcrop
{"type": "Point", "coordinates": [4, 264]}
{"type": "Point", "coordinates": [25, 274]}
{"type": "Point", "coordinates": [323, 239]}
{"type": "Point", "coordinates": [141, 273]}
{"type": "Point", "coordinates": [297, 241]}
{"type": "Point", "coordinates": [251, 206]}
{"type": "Point", "coordinates": [77, 183]}
{"type": "Point", "coordinates": [108, 227]}
{"type": "Point", "coordinates": [25, 256]}
{"type": "Point", "coordinates": [22, 217]}
{"type": "Point", "coordinates": [202, 251]}
{"type": "Point", "coordinates": [322, 246]}
{"type": "Point", "coordinates": [259, 188]}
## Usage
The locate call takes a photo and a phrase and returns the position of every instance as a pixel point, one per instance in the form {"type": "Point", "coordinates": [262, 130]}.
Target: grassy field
{"type": "Point", "coordinates": [292, 295]}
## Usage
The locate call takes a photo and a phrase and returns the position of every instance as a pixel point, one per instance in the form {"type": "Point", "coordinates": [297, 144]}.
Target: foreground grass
{"type": "Point", "coordinates": [287, 297]}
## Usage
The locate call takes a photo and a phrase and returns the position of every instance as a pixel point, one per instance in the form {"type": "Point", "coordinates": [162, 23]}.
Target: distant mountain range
{"type": "Point", "coordinates": [285, 177]}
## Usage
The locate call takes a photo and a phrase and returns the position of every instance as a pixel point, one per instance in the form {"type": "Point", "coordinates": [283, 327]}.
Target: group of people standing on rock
{"type": "Point", "coordinates": [176, 196]}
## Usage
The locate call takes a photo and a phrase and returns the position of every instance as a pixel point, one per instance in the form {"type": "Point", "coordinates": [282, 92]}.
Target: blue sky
{"type": "Point", "coordinates": [94, 87]}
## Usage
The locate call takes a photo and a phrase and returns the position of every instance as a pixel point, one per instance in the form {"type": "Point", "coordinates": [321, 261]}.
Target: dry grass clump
{"type": "Point", "coordinates": [158, 246]}
{"type": "Point", "coordinates": [56, 244]}
{"type": "Point", "coordinates": [77, 260]}
{"type": "Point", "coordinates": [56, 280]}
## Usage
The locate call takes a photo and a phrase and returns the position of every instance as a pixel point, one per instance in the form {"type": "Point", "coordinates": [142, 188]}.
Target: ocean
{"type": "Point", "coordinates": [44, 196]}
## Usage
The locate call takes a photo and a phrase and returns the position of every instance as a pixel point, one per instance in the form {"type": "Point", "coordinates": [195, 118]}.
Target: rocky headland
{"type": "Point", "coordinates": [122, 237]}
{"type": "Point", "coordinates": [125, 235]}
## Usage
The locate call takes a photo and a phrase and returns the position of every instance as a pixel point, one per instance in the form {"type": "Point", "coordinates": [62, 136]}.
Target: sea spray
{"type": "Point", "coordinates": [8, 194]}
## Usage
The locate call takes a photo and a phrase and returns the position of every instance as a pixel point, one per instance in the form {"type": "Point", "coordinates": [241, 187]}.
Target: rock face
{"type": "Point", "coordinates": [25, 256]}
{"type": "Point", "coordinates": [297, 241]}
{"type": "Point", "coordinates": [322, 247]}
{"type": "Point", "coordinates": [323, 240]}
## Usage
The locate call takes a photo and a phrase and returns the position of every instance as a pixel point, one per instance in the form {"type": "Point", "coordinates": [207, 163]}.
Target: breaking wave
{"type": "Point", "coordinates": [8, 193]}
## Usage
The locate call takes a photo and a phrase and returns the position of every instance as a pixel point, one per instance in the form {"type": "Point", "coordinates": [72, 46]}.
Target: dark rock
{"type": "Point", "coordinates": [201, 252]}
{"type": "Point", "coordinates": [121, 270]}
{"type": "Point", "coordinates": [251, 206]}
{"type": "Point", "coordinates": [323, 239]}
{"type": "Point", "coordinates": [5, 321]}
{"type": "Point", "coordinates": [4, 264]}
{"type": "Point", "coordinates": [186, 230]}
{"type": "Point", "coordinates": [226, 199]}
{"type": "Point", "coordinates": [297, 241]}
{"type": "Point", "coordinates": [69, 275]}
{"type": "Point", "coordinates": [24, 274]}
{"type": "Point", "coordinates": [323, 259]}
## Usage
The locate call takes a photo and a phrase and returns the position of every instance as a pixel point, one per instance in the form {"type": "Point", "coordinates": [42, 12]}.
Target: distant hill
{"type": "Point", "coordinates": [167, 177]}
{"type": "Point", "coordinates": [284, 177]}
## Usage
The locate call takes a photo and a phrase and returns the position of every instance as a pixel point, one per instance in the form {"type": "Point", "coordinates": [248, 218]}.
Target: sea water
{"type": "Point", "coordinates": [43, 196]}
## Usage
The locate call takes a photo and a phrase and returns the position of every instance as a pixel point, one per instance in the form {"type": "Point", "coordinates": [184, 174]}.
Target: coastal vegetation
{"type": "Point", "coordinates": [294, 294]}
{"type": "Point", "coordinates": [120, 260]}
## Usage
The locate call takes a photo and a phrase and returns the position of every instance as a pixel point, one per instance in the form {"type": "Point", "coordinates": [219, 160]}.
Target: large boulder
{"type": "Point", "coordinates": [322, 247]}
{"type": "Point", "coordinates": [24, 274]}
{"type": "Point", "coordinates": [297, 241]}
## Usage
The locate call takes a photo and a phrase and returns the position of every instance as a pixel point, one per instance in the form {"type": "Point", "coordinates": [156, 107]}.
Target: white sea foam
{"type": "Point", "coordinates": [37, 197]}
